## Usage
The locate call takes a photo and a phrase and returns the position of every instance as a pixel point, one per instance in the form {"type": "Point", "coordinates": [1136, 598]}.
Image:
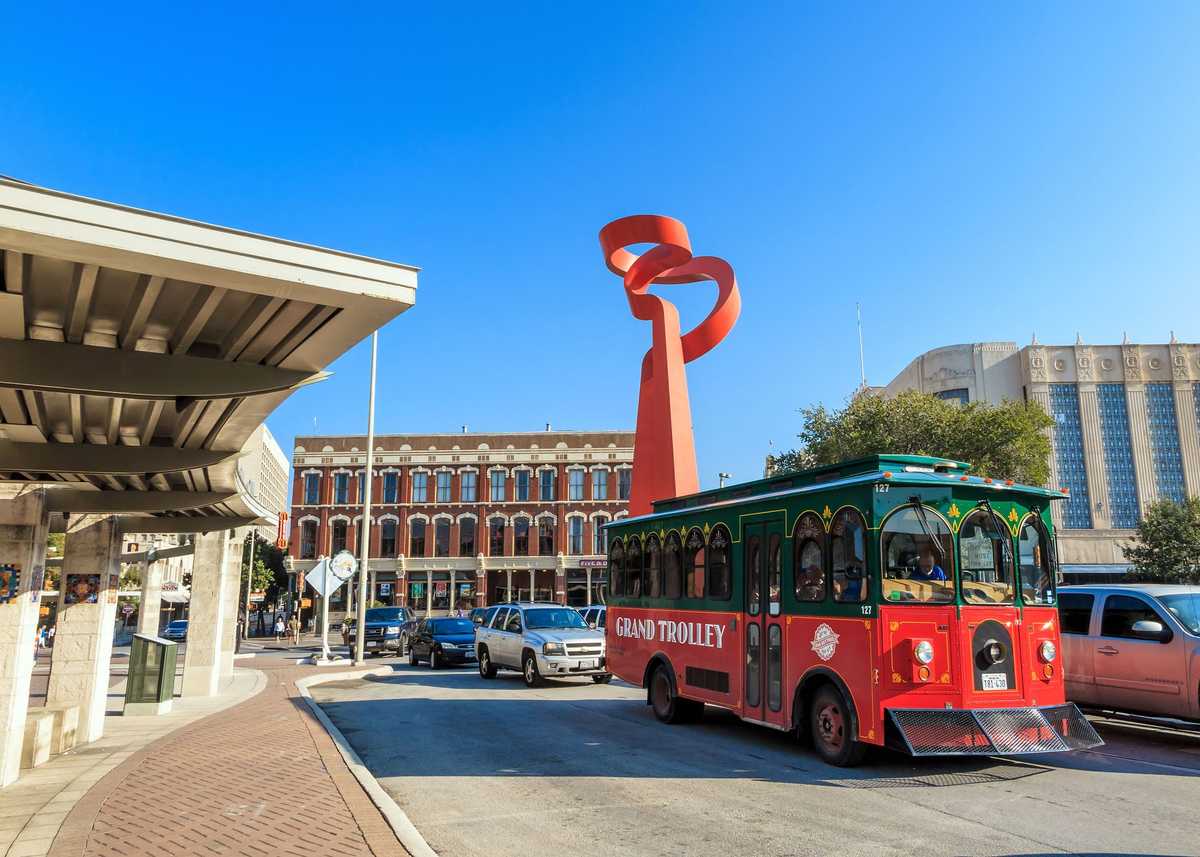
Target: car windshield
{"type": "Point", "coordinates": [385, 614]}
{"type": "Point", "coordinates": [916, 558]}
{"type": "Point", "coordinates": [179, 623]}
{"type": "Point", "coordinates": [454, 626]}
{"type": "Point", "coordinates": [553, 617]}
{"type": "Point", "coordinates": [1185, 608]}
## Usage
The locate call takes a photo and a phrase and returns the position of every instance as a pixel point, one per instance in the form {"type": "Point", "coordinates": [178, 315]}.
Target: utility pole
{"type": "Point", "coordinates": [360, 627]}
{"type": "Point", "coordinates": [862, 365]}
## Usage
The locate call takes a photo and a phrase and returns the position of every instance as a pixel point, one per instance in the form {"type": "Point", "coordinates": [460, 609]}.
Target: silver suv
{"type": "Point", "coordinates": [540, 640]}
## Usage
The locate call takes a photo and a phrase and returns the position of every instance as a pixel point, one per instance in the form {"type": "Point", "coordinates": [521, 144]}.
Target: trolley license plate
{"type": "Point", "coordinates": [994, 681]}
{"type": "Point", "coordinates": [587, 665]}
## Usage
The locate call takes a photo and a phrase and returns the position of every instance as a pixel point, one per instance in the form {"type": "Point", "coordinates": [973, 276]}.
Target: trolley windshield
{"type": "Point", "coordinates": [917, 557]}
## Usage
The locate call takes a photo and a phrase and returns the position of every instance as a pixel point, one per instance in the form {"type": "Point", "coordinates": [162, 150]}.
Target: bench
{"type": "Point", "coordinates": [48, 732]}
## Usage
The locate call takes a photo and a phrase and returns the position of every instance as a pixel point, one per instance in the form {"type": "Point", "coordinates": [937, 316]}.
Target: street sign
{"type": "Point", "coordinates": [126, 609]}
{"type": "Point", "coordinates": [343, 565]}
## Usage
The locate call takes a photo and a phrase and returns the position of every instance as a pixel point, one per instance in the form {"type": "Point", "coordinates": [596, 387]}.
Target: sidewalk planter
{"type": "Point", "coordinates": [150, 685]}
{"type": "Point", "coordinates": [39, 733]}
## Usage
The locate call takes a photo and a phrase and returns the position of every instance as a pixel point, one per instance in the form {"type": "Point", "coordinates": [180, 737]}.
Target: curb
{"type": "Point", "coordinates": [412, 840]}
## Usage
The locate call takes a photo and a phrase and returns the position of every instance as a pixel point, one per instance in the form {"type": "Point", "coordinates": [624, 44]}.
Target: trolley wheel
{"type": "Point", "coordinates": [487, 669]}
{"type": "Point", "coordinates": [830, 723]}
{"type": "Point", "coordinates": [602, 679]}
{"type": "Point", "coordinates": [529, 670]}
{"type": "Point", "coordinates": [435, 659]}
{"type": "Point", "coordinates": [412, 656]}
{"type": "Point", "coordinates": [668, 706]}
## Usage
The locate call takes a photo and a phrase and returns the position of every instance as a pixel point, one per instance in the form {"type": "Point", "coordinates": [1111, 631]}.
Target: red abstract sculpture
{"type": "Point", "coordinates": [664, 463]}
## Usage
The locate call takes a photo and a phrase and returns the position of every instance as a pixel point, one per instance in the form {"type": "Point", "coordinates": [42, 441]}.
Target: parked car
{"type": "Point", "coordinates": [176, 630]}
{"type": "Point", "coordinates": [442, 642]}
{"type": "Point", "coordinates": [594, 615]}
{"type": "Point", "coordinates": [539, 640]}
{"type": "Point", "coordinates": [1132, 648]}
{"type": "Point", "coordinates": [383, 631]}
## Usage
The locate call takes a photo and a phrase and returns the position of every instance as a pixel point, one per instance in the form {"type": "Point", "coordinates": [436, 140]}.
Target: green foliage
{"type": "Point", "coordinates": [1166, 548]}
{"type": "Point", "coordinates": [270, 575]}
{"type": "Point", "coordinates": [1007, 441]}
{"type": "Point", "coordinates": [131, 576]}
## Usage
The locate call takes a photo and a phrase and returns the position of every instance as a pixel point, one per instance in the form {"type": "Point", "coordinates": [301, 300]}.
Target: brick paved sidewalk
{"type": "Point", "coordinates": [262, 778]}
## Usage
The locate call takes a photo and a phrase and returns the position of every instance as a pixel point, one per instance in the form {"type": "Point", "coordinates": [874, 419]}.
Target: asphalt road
{"type": "Point", "coordinates": [492, 768]}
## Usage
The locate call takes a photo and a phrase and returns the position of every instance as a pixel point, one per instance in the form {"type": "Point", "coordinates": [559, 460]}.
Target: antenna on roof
{"type": "Point", "coordinates": [862, 366]}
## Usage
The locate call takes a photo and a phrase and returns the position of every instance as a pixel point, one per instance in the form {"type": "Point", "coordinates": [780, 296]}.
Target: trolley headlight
{"type": "Point", "coordinates": [1047, 651]}
{"type": "Point", "coordinates": [923, 652]}
{"type": "Point", "coordinates": [553, 649]}
{"type": "Point", "coordinates": [993, 652]}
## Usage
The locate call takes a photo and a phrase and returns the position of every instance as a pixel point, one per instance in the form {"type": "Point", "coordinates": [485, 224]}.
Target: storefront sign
{"type": "Point", "coordinates": [593, 563]}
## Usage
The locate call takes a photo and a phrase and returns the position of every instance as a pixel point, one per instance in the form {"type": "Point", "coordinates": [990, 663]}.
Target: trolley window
{"type": "Point", "coordinates": [653, 582]}
{"type": "Point", "coordinates": [1037, 569]}
{"type": "Point", "coordinates": [808, 564]}
{"type": "Point", "coordinates": [985, 559]}
{"type": "Point", "coordinates": [720, 584]}
{"type": "Point", "coordinates": [633, 568]}
{"type": "Point", "coordinates": [849, 552]}
{"type": "Point", "coordinates": [693, 565]}
{"type": "Point", "coordinates": [673, 566]}
{"type": "Point", "coordinates": [917, 550]}
{"type": "Point", "coordinates": [616, 568]}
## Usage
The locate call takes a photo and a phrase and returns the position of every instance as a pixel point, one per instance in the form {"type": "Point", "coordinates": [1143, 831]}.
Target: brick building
{"type": "Point", "coordinates": [465, 520]}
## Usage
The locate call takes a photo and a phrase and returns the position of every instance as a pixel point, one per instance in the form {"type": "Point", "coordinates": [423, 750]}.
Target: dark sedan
{"type": "Point", "coordinates": [442, 642]}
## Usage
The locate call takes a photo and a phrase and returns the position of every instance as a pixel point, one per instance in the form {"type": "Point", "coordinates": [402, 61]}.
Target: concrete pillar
{"type": "Point", "coordinates": [231, 603]}
{"type": "Point", "coordinates": [87, 609]}
{"type": "Point", "coordinates": [1188, 418]}
{"type": "Point", "coordinates": [1040, 393]}
{"type": "Point", "coordinates": [23, 524]}
{"type": "Point", "coordinates": [1093, 456]}
{"type": "Point", "coordinates": [1139, 435]}
{"type": "Point", "coordinates": [428, 592]}
{"type": "Point", "coordinates": [151, 601]}
{"type": "Point", "coordinates": [211, 612]}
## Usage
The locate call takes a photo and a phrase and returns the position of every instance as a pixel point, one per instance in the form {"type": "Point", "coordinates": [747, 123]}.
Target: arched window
{"type": "Point", "coordinates": [308, 540]}
{"type": "Point", "coordinates": [633, 568]}
{"type": "Point", "coordinates": [1037, 562]}
{"type": "Point", "coordinates": [616, 568]}
{"type": "Point", "coordinates": [693, 565]}
{"type": "Point", "coordinates": [387, 537]}
{"type": "Point", "coordinates": [521, 537]}
{"type": "Point", "coordinates": [720, 570]}
{"type": "Point", "coordinates": [575, 536]}
{"type": "Point", "coordinates": [673, 566]}
{"type": "Point", "coordinates": [917, 557]}
{"type": "Point", "coordinates": [985, 559]}
{"type": "Point", "coordinates": [338, 537]}
{"type": "Point", "coordinates": [808, 558]}
{"type": "Point", "coordinates": [496, 537]}
{"type": "Point", "coordinates": [546, 536]}
{"type": "Point", "coordinates": [653, 573]}
{"type": "Point", "coordinates": [416, 539]}
{"type": "Point", "coordinates": [848, 549]}
{"type": "Point", "coordinates": [466, 537]}
{"type": "Point", "coordinates": [441, 537]}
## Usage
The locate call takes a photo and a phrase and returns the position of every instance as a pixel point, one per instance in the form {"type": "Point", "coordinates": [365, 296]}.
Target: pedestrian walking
{"type": "Point", "coordinates": [294, 629]}
{"type": "Point", "coordinates": [278, 628]}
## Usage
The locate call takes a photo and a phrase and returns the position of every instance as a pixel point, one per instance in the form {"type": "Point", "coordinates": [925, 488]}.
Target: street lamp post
{"type": "Point", "coordinates": [723, 476]}
{"type": "Point", "coordinates": [360, 627]}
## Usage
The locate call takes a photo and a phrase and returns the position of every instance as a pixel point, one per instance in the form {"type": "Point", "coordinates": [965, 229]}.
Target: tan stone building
{"type": "Point", "coordinates": [1126, 432]}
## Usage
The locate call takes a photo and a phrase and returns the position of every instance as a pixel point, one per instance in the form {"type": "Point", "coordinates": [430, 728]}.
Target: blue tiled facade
{"type": "Point", "coordinates": [1164, 442]}
{"type": "Point", "coordinates": [1118, 456]}
{"type": "Point", "coordinates": [1068, 455]}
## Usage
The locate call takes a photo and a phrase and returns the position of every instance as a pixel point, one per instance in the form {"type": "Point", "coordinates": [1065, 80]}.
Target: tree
{"type": "Point", "coordinates": [1007, 441]}
{"type": "Point", "coordinates": [1166, 548]}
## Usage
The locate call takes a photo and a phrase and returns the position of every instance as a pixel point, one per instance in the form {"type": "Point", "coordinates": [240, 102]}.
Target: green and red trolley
{"type": "Point", "coordinates": [893, 600]}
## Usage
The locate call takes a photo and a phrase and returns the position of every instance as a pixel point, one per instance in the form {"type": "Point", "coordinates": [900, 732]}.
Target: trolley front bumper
{"type": "Point", "coordinates": [989, 731]}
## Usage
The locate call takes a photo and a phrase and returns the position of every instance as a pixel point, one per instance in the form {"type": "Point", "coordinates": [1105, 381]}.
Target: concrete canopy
{"type": "Point", "coordinates": [139, 351]}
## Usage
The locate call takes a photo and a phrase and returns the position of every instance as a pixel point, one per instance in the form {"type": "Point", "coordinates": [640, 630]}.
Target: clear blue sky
{"type": "Point", "coordinates": [967, 175]}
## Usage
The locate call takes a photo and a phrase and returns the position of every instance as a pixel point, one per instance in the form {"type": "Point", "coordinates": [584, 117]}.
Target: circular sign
{"type": "Point", "coordinates": [343, 565]}
{"type": "Point", "coordinates": [127, 609]}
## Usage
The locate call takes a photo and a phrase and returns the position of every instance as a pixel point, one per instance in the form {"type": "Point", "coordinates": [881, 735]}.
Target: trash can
{"type": "Point", "coordinates": [150, 685]}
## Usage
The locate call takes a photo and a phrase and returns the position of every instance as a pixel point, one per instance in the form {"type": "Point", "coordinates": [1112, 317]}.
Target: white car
{"type": "Point", "coordinates": [539, 640]}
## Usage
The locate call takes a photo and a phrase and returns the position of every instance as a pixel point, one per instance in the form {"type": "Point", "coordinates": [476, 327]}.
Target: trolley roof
{"type": "Point", "coordinates": [917, 470]}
